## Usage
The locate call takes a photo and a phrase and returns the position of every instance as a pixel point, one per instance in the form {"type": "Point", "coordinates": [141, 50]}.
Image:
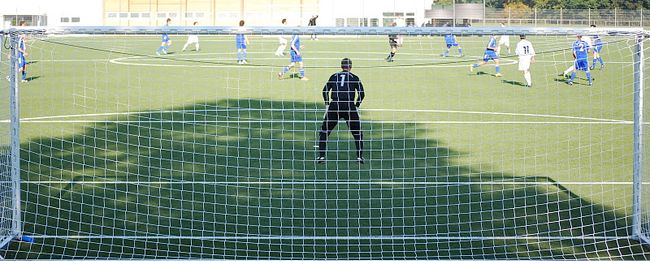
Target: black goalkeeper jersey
{"type": "Point", "coordinates": [345, 87]}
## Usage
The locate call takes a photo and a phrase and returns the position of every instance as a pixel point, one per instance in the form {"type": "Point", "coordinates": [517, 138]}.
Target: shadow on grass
{"type": "Point", "coordinates": [236, 179]}
{"type": "Point", "coordinates": [31, 78]}
{"type": "Point", "coordinates": [514, 83]}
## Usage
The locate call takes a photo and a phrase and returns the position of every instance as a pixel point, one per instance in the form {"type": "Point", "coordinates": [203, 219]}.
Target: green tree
{"type": "Point", "coordinates": [627, 4]}
{"type": "Point", "coordinates": [518, 10]}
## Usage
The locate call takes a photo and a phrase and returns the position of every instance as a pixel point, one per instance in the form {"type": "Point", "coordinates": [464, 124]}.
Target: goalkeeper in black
{"type": "Point", "coordinates": [343, 94]}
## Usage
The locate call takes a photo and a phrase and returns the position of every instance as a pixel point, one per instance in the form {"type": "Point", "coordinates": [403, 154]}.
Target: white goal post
{"type": "Point", "coordinates": [114, 164]}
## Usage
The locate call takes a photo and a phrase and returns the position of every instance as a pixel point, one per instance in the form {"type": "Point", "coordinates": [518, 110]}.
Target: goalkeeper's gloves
{"type": "Point", "coordinates": [358, 104]}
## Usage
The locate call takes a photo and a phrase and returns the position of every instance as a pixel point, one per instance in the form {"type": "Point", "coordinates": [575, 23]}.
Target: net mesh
{"type": "Point", "coordinates": [129, 154]}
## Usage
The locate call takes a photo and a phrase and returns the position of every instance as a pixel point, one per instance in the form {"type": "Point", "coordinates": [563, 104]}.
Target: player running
{"type": "Point", "coordinates": [581, 54]}
{"type": "Point", "coordinates": [339, 96]}
{"type": "Point", "coordinates": [490, 54]}
{"type": "Point", "coordinates": [394, 41]}
{"type": "Point", "coordinates": [526, 55]}
{"type": "Point", "coordinates": [241, 40]}
{"type": "Point", "coordinates": [503, 40]}
{"type": "Point", "coordinates": [450, 40]}
{"type": "Point", "coordinates": [283, 41]}
{"type": "Point", "coordinates": [598, 47]}
{"type": "Point", "coordinates": [296, 57]}
{"type": "Point", "coordinates": [166, 41]}
{"type": "Point", "coordinates": [192, 39]}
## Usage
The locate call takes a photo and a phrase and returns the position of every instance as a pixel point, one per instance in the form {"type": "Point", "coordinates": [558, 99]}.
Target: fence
{"type": "Point", "coordinates": [565, 17]}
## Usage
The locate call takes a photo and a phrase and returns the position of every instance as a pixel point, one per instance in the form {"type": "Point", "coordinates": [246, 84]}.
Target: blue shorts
{"type": "Point", "coordinates": [597, 48]}
{"type": "Point", "coordinates": [241, 45]}
{"type": "Point", "coordinates": [582, 65]}
{"type": "Point", "coordinates": [449, 45]}
{"type": "Point", "coordinates": [295, 57]}
{"type": "Point", "coordinates": [22, 62]}
{"type": "Point", "coordinates": [490, 55]}
{"type": "Point", "coordinates": [165, 38]}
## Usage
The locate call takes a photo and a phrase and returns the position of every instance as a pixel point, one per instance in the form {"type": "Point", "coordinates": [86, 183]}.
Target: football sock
{"type": "Point", "coordinates": [527, 77]}
{"type": "Point", "coordinates": [568, 70]}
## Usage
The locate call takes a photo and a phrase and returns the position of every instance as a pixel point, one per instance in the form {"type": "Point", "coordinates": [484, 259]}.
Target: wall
{"type": "Point", "coordinates": [208, 12]}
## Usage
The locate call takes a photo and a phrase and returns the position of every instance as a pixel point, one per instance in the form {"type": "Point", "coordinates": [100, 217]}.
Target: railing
{"type": "Point", "coordinates": [556, 17]}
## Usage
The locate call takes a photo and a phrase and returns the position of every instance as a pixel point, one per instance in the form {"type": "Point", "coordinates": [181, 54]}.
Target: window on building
{"type": "Point", "coordinates": [162, 15]}
{"type": "Point", "coordinates": [75, 19]}
{"type": "Point", "coordinates": [124, 15]}
{"type": "Point", "coordinates": [374, 22]}
{"type": "Point", "coordinates": [189, 15]}
{"type": "Point", "coordinates": [111, 15]}
{"type": "Point", "coordinates": [65, 19]}
{"type": "Point", "coordinates": [145, 15]}
{"type": "Point", "coordinates": [199, 15]}
{"type": "Point", "coordinates": [388, 21]}
{"type": "Point", "coordinates": [340, 22]}
{"type": "Point", "coordinates": [363, 22]}
{"type": "Point", "coordinates": [410, 21]}
{"type": "Point", "coordinates": [135, 15]}
{"type": "Point", "coordinates": [173, 15]}
{"type": "Point", "coordinates": [353, 22]}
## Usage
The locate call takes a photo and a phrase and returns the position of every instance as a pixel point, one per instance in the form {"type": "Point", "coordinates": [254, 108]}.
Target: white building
{"type": "Point", "coordinates": [214, 12]}
{"type": "Point", "coordinates": [51, 12]}
{"type": "Point", "coordinates": [373, 12]}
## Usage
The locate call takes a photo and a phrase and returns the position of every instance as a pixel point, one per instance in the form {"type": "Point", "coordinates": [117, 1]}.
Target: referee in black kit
{"type": "Point", "coordinates": [344, 87]}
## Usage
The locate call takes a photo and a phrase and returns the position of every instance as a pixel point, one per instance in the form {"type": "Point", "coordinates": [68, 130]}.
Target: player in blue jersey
{"type": "Point", "coordinates": [166, 41]}
{"type": "Point", "coordinates": [490, 54]}
{"type": "Point", "coordinates": [22, 52]}
{"type": "Point", "coordinates": [598, 47]}
{"type": "Point", "coordinates": [242, 43]}
{"type": "Point", "coordinates": [296, 57]}
{"type": "Point", "coordinates": [450, 40]}
{"type": "Point", "coordinates": [581, 53]}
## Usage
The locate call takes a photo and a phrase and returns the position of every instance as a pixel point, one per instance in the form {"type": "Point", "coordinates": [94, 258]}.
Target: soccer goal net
{"type": "Point", "coordinates": [130, 149]}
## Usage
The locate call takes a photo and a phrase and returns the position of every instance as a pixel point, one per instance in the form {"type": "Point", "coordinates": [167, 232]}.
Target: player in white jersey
{"type": "Point", "coordinates": [192, 39]}
{"type": "Point", "coordinates": [283, 41]}
{"type": "Point", "coordinates": [503, 40]}
{"type": "Point", "coordinates": [526, 55]}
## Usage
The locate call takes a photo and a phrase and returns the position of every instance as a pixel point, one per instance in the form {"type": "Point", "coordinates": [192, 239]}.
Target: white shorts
{"type": "Point", "coordinates": [504, 40]}
{"type": "Point", "coordinates": [283, 41]}
{"type": "Point", "coordinates": [524, 63]}
{"type": "Point", "coordinates": [193, 39]}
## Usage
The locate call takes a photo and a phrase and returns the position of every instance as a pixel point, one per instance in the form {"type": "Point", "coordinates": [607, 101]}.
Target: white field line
{"type": "Point", "coordinates": [318, 121]}
{"type": "Point", "coordinates": [400, 238]}
{"type": "Point", "coordinates": [577, 119]}
{"type": "Point", "coordinates": [128, 61]}
{"type": "Point", "coordinates": [338, 182]}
